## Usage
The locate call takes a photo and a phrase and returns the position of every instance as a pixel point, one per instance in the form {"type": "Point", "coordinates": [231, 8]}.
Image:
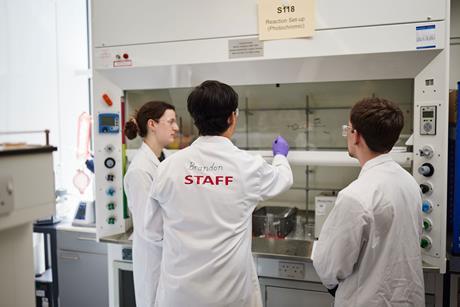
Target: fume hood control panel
{"type": "Point", "coordinates": [428, 120]}
{"type": "Point", "coordinates": [109, 123]}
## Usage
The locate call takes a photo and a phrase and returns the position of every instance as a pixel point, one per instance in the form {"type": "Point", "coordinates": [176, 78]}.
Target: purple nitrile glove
{"type": "Point", "coordinates": [280, 146]}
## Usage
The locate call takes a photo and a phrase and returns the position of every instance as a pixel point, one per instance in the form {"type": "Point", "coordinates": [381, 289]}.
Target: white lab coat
{"type": "Point", "coordinates": [207, 258]}
{"type": "Point", "coordinates": [370, 243]}
{"type": "Point", "coordinates": [146, 253]}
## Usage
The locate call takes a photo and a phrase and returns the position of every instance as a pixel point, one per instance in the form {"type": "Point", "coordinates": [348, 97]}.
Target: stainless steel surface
{"type": "Point", "coordinates": [270, 248]}
{"type": "Point", "coordinates": [287, 249]}
{"type": "Point", "coordinates": [122, 238]}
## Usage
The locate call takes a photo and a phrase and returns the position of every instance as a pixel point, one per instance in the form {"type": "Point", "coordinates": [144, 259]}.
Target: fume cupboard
{"type": "Point", "coordinates": [299, 88]}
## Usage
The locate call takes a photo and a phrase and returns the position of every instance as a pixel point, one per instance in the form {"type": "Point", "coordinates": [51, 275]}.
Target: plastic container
{"type": "Point", "coordinates": [273, 222]}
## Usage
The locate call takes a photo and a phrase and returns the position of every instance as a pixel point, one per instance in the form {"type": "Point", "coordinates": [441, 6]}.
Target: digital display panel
{"type": "Point", "coordinates": [107, 121]}
{"type": "Point", "coordinates": [427, 113]}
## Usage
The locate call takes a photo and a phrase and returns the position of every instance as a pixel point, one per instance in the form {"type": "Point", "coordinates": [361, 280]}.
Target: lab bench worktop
{"type": "Point", "coordinates": [66, 225]}
{"type": "Point", "coordinates": [299, 250]}
{"type": "Point", "coordinates": [289, 249]}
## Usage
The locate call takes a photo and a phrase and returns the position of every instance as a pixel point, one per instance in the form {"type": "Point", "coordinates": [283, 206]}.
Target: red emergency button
{"type": "Point", "coordinates": [125, 56]}
{"type": "Point", "coordinates": [107, 99]}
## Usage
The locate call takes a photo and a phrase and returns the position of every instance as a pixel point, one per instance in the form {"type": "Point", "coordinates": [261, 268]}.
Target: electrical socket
{"type": "Point", "coordinates": [294, 270]}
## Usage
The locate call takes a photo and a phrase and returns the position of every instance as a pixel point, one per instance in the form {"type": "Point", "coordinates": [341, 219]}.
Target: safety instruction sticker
{"type": "Point", "coordinates": [103, 57]}
{"type": "Point", "coordinates": [244, 48]}
{"type": "Point", "coordinates": [122, 63]}
{"type": "Point", "coordinates": [426, 37]}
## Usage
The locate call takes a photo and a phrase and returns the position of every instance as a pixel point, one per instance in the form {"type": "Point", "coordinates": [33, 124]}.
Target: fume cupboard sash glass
{"type": "Point", "coordinates": [308, 115]}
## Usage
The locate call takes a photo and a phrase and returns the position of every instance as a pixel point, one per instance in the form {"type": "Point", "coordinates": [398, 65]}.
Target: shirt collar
{"type": "Point", "coordinates": [150, 154]}
{"type": "Point", "coordinates": [212, 139]}
{"type": "Point", "coordinates": [380, 159]}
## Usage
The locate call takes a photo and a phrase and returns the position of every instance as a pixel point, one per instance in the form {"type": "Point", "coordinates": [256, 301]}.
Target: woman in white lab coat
{"type": "Point", "coordinates": [207, 193]}
{"type": "Point", "coordinates": [155, 122]}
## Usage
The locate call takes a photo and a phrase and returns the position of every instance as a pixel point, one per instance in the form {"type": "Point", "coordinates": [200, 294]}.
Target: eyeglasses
{"type": "Point", "coordinates": [345, 129]}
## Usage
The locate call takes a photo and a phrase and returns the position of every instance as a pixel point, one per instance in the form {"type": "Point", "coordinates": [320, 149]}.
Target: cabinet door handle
{"type": "Point", "coordinates": [69, 257]}
{"type": "Point", "coordinates": [86, 238]}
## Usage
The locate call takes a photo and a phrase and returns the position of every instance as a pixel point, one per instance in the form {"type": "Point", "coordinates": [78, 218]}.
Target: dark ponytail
{"type": "Point", "coordinates": [137, 125]}
{"type": "Point", "coordinates": [131, 129]}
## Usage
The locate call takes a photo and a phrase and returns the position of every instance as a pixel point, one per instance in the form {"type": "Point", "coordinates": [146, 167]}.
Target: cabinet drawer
{"type": "Point", "coordinates": [83, 279]}
{"type": "Point", "coordinates": [80, 241]}
{"type": "Point", "coordinates": [278, 296]}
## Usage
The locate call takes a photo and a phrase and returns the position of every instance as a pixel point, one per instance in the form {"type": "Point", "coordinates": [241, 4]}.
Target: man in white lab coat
{"type": "Point", "coordinates": [207, 193]}
{"type": "Point", "coordinates": [369, 246]}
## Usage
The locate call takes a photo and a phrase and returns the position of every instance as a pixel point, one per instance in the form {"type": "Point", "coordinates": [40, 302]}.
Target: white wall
{"type": "Point", "coordinates": [28, 73]}
{"type": "Point", "coordinates": [43, 50]}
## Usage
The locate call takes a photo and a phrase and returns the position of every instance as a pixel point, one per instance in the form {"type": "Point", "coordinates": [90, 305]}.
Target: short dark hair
{"type": "Point", "coordinates": [379, 121]}
{"type": "Point", "coordinates": [150, 110]}
{"type": "Point", "coordinates": [210, 104]}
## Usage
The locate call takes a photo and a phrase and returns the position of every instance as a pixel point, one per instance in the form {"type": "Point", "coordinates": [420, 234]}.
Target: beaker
{"type": "Point", "coordinates": [299, 232]}
{"type": "Point", "coordinates": [270, 229]}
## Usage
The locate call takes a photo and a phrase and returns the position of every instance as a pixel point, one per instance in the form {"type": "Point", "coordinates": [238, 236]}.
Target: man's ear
{"type": "Point", "coordinates": [231, 119]}
{"type": "Point", "coordinates": [356, 137]}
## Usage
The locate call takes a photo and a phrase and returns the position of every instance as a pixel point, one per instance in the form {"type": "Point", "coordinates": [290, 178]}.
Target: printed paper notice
{"type": "Point", "coordinates": [244, 48]}
{"type": "Point", "coordinates": [425, 37]}
{"type": "Point", "coordinates": [320, 208]}
{"type": "Point", "coordinates": [281, 19]}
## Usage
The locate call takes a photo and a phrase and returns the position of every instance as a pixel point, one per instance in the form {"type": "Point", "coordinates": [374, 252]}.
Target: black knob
{"type": "Point", "coordinates": [425, 188]}
{"type": "Point", "coordinates": [109, 162]}
{"type": "Point", "coordinates": [426, 169]}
